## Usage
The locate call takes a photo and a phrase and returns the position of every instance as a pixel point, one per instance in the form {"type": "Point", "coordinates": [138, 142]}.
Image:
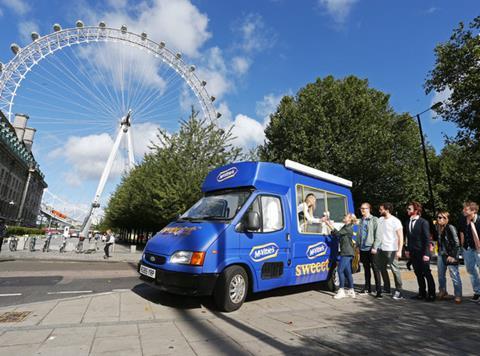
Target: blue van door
{"type": "Point", "coordinates": [268, 249]}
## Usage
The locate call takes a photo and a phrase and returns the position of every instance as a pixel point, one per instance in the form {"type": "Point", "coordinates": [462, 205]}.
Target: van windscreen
{"type": "Point", "coordinates": [217, 206]}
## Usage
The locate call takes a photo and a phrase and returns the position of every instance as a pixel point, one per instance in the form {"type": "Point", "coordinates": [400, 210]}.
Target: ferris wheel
{"type": "Point", "coordinates": [78, 83]}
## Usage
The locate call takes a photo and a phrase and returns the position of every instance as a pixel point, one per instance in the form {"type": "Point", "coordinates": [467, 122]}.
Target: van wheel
{"type": "Point", "coordinates": [231, 289]}
{"type": "Point", "coordinates": [330, 283]}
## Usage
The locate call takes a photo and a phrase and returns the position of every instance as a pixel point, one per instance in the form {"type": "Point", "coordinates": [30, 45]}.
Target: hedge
{"type": "Point", "coordinates": [20, 230]}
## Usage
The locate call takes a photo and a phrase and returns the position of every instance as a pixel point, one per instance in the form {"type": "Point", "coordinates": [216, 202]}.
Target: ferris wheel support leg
{"type": "Point", "coordinates": [101, 185]}
{"type": "Point", "coordinates": [131, 159]}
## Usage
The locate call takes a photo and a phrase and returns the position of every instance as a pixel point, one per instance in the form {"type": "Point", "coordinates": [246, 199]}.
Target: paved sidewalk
{"type": "Point", "coordinates": [120, 252]}
{"type": "Point", "coordinates": [292, 321]}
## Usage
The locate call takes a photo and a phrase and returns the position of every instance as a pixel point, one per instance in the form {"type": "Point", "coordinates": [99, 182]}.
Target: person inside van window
{"type": "Point", "coordinates": [347, 251]}
{"type": "Point", "coordinates": [305, 212]}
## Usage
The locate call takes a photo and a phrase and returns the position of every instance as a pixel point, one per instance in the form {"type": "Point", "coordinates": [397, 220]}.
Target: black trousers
{"type": "Point", "coordinates": [107, 246]}
{"type": "Point", "coordinates": [423, 272]}
{"type": "Point", "coordinates": [366, 258]}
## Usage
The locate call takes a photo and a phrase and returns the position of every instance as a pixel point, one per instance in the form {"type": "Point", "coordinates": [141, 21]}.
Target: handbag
{"type": "Point", "coordinates": [356, 261]}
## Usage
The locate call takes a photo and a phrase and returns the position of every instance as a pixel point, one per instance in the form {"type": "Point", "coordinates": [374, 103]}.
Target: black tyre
{"type": "Point", "coordinates": [329, 284]}
{"type": "Point", "coordinates": [231, 289]}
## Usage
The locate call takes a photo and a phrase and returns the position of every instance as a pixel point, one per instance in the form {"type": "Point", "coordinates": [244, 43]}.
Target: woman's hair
{"type": "Point", "coordinates": [353, 218]}
{"type": "Point", "coordinates": [444, 213]}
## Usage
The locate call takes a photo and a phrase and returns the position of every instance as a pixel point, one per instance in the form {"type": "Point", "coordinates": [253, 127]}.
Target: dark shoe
{"type": "Point", "coordinates": [378, 295]}
{"type": "Point", "coordinates": [365, 291]}
{"type": "Point", "coordinates": [430, 298]}
{"type": "Point", "coordinates": [475, 298]}
{"type": "Point", "coordinates": [387, 291]}
{"type": "Point", "coordinates": [418, 297]}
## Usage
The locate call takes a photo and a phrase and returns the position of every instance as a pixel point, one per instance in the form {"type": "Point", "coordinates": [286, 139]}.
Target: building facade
{"type": "Point", "coordinates": [21, 181]}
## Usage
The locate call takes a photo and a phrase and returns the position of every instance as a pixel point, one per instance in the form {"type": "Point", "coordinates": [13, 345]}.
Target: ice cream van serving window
{"type": "Point", "coordinates": [313, 204]}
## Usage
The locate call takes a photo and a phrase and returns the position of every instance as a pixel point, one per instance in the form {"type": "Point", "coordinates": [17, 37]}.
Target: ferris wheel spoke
{"type": "Point", "coordinates": [81, 85]}
{"type": "Point", "coordinates": [65, 88]}
{"type": "Point", "coordinates": [79, 64]}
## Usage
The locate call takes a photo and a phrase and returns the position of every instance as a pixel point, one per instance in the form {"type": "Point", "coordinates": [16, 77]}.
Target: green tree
{"type": "Point", "coordinates": [457, 70]}
{"type": "Point", "coordinates": [169, 179]}
{"type": "Point", "coordinates": [346, 128]}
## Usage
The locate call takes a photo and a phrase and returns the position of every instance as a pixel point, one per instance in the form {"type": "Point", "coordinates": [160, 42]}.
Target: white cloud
{"type": "Point", "coordinates": [143, 135]}
{"type": "Point", "coordinates": [248, 132]}
{"type": "Point", "coordinates": [240, 65]}
{"type": "Point", "coordinates": [118, 4]}
{"type": "Point", "coordinates": [86, 158]}
{"type": "Point", "coordinates": [178, 23]}
{"type": "Point", "coordinates": [25, 28]}
{"type": "Point", "coordinates": [255, 36]}
{"type": "Point", "coordinates": [20, 7]}
{"type": "Point", "coordinates": [214, 71]}
{"type": "Point", "coordinates": [268, 105]}
{"type": "Point", "coordinates": [338, 9]}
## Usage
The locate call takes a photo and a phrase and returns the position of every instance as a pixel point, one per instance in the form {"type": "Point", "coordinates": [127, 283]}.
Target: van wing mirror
{"type": "Point", "coordinates": [253, 221]}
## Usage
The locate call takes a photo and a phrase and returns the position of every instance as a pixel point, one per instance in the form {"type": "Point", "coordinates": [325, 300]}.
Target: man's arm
{"type": "Point", "coordinates": [425, 240]}
{"type": "Point", "coordinates": [399, 233]}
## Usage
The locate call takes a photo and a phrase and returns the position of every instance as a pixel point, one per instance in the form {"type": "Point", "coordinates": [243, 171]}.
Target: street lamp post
{"type": "Point", "coordinates": [427, 170]}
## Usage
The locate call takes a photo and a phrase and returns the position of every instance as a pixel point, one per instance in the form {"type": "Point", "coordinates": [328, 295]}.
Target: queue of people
{"type": "Point", "coordinates": [381, 241]}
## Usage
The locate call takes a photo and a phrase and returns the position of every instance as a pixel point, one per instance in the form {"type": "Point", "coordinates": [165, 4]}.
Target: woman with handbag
{"type": "Point", "coordinates": [347, 251]}
{"type": "Point", "coordinates": [448, 251]}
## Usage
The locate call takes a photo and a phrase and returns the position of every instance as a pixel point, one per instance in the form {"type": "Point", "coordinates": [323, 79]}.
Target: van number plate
{"type": "Point", "coordinates": [149, 272]}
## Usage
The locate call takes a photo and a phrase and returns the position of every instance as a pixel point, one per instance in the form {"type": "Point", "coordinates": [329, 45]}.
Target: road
{"type": "Point", "coordinates": [35, 281]}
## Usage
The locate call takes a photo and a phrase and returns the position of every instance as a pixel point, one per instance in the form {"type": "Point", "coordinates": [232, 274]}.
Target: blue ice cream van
{"type": "Point", "coordinates": [252, 231]}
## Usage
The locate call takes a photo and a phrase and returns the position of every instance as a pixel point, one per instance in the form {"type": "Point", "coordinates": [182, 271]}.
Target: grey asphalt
{"type": "Point", "coordinates": [26, 281]}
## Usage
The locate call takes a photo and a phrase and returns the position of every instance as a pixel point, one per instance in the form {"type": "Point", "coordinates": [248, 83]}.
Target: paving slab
{"type": "Point", "coordinates": [116, 345]}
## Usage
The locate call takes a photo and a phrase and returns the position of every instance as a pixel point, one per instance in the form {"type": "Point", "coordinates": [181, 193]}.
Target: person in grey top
{"type": "Point", "coordinates": [367, 235]}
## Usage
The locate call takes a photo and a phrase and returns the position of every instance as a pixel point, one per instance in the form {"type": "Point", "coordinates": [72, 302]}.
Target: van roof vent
{"type": "Point", "coordinates": [295, 166]}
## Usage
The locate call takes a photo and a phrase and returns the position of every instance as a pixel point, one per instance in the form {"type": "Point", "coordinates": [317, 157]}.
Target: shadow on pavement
{"type": "Point", "coordinates": [157, 296]}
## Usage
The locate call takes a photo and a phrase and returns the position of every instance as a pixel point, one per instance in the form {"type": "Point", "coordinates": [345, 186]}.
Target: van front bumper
{"type": "Point", "coordinates": [181, 282]}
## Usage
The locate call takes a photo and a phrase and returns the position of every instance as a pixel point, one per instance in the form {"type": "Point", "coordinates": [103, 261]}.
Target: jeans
{"type": "Point", "coordinates": [423, 272]}
{"type": "Point", "coordinates": [472, 263]}
{"type": "Point", "coordinates": [454, 275]}
{"type": "Point", "coordinates": [366, 258]}
{"type": "Point", "coordinates": [345, 271]}
{"type": "Point", "coordinates": [384, 259]}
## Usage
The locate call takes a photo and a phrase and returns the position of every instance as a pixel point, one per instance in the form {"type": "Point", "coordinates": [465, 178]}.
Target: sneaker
{"type": "Point", "coordinates": [397, 295]}
{"type": "Point", "coordinates": [475, 298]}
{"type": "Point", "coordinates": [351, 293]}
{"type": "Point", "coordinates": [340, 294]}
{"type": "Point", "coordinates": [458, 300]}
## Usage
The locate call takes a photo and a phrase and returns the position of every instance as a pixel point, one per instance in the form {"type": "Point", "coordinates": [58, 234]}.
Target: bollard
{"type": "Point", "coordinates": [133, 248]}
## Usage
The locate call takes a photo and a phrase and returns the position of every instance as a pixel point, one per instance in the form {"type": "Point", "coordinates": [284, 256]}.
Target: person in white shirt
{"type": "Point", "coordinates": [110, 241]}
{"type": "Point", "coordinates": [305, 212]}
{"type": "Point", "coordinates": [388, 249]}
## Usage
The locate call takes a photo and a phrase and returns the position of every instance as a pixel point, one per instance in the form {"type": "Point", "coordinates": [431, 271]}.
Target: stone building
{"type": "Point", "coordinates": [21, 181]}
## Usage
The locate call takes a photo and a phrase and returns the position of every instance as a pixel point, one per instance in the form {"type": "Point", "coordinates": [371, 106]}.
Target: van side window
{"type": "Point", "coordinates": [337, 206]}
{"type": "Point", "coordinates": [270, 210]}
{"type": "Point", "coordinates": [311, 206]}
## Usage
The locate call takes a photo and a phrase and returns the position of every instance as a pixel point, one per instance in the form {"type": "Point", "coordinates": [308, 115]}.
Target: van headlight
{"type": "Point", "coordinates": [192, 258]}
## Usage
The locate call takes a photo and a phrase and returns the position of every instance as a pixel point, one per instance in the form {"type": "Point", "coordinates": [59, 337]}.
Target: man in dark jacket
{"type": "Point", "coordinates": [3, 232]}
{"type": "Point", "coordinates": [417, 232]}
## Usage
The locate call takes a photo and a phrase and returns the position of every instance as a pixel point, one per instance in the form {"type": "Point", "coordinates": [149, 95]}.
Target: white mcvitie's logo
{"type": "Point", "coordinates": [264, 252]}
{"type": "Point", "coordinates": [229, 173]}
{"type": "Point", "coordinates": [317, 250]}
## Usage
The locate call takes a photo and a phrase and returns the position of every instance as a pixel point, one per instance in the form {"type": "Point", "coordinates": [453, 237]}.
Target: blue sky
{"type": "Point", "coordinates": [250, 52]}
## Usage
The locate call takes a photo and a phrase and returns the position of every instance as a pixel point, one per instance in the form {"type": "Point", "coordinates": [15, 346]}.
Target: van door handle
{"type": "Point", "coordinates": [288, 237]}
